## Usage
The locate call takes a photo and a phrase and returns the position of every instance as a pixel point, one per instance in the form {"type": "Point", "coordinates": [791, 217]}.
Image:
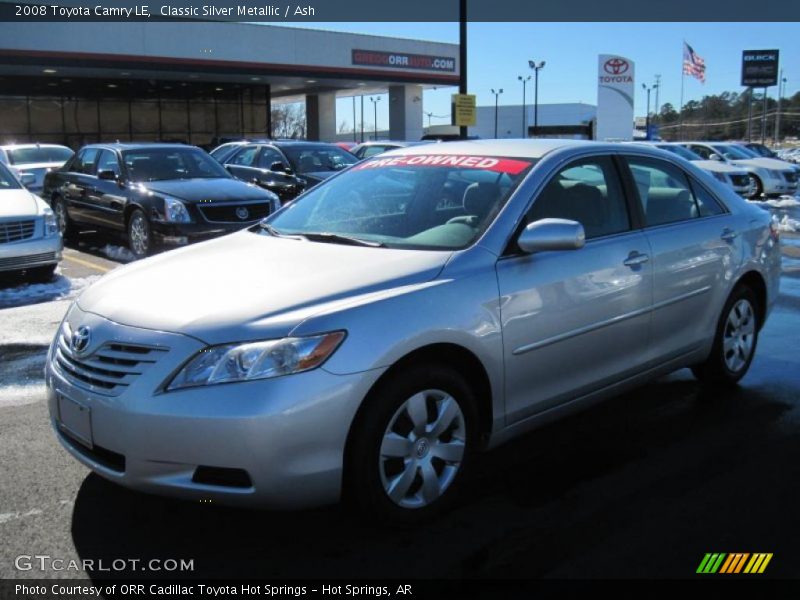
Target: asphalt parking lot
{"type": "Point", "coordinates": [641, 486]}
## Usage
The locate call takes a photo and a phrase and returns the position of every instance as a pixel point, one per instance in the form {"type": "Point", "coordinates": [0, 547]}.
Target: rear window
{"type": "Point", "coordinates": [41, 154]}
{"type": "Point", "coordinates": [422, 201]}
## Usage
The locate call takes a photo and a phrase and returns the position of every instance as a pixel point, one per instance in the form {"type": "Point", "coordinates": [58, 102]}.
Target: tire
{"type": "Point", "coordinates": [392, 472]}
{"type": "Point", "coordinates": [140, 239]}
{"type": "Point", "coordinates": [65, 225]}
{"type": "Point", "coordinates": [758, 187]}
{"type": "Point", "coordinates": [42, 274]}
{"type": "Point", "coordinates": [735, 340]}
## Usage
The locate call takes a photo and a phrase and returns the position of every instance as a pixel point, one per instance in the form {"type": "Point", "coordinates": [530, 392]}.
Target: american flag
{"type": "Point", "coordinates": [693, 63]}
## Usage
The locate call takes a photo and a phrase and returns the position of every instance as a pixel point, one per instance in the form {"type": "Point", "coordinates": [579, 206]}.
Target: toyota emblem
{"type": "Point", "coordinates": [616, 66]}
{"type": "Point", "coordinates": [80, 339]}
{"type": "Point", "coordinates": [242, 213]}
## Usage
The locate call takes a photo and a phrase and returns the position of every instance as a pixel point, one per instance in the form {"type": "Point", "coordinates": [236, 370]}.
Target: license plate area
{"type": "Point", "coordinates": [75, 419]}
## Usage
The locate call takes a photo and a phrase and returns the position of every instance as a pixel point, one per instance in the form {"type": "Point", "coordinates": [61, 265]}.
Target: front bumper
{"type": "Point", "coordinates": [288, 434]}
{"type": "Point", "coordinates": [179, 234]}
{"type": "Point", "coordinates": [779, 186]}
{"type": "Point", "coordinates": [28, 254]}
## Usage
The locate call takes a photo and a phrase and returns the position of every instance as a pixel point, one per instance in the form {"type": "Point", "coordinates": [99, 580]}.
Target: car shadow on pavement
{"type": "Point", "coordinates": [641, 485]}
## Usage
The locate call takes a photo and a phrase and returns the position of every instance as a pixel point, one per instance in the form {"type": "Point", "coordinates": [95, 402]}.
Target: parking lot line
{"type": "Point", "coordinates": [86, 263]}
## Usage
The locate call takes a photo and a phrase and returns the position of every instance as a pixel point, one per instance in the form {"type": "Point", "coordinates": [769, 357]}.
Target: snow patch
{"type": "Point", "coordinates": [61, 288]}
{"type": "Point", "coordinates": [788, 225]}
{"type": "Point", "coordinates": [118, 253]}
{"type": "Point", "coordinates": [20, 395]}
{"type": "Point", "coordinates": [784, 202]}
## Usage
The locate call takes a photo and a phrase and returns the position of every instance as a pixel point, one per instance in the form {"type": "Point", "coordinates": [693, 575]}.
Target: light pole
{"type": "Point", "coordinates": [496, 98]}
{"type": "Point", "coordinates": [375, 109]}
{"type": "Point", "coordinates": [429, 115]}
{"type": "Point", "coordinates": [781, 86]}
{"type": "Point", "coordinates": [647, 116]}
{"type": "Point", "coordinates": [524, 81]}
{"type": "Point", "coordinates": [536, 68]}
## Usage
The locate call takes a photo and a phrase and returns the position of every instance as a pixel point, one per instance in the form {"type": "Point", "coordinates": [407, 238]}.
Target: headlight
{"type": "Point", "coordinates": [719, 176]}
{"type": "Point", "coordinates": [256, 360]}
{"type": "Point", "coordinates": [50, 223]}
{"type": "Point", "coordinates": [175, 211]}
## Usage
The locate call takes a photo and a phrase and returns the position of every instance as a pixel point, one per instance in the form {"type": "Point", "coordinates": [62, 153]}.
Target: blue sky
{"type": "Point", "coordinates": [499, 52]}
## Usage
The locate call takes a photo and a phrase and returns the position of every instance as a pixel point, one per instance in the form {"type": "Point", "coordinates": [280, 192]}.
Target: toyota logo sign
{"type": "Point", "coordinates": [616, 66]}
{"type": "Point", "coordinates": [80, 339]}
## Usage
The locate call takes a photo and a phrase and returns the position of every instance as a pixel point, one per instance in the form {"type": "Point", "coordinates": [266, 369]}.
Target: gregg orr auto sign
{"type": "Point", "coordinates": [402, 60]}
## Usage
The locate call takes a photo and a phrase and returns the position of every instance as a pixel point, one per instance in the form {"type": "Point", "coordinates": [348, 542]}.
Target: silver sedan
{"type": "Point", "coordinates": [369, 338]}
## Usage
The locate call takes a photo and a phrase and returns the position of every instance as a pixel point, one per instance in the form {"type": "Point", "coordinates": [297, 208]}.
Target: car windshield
{"type": "Point", "coordinates": [732, 152]}
{"type": "Point", "coordinates": [7, 180]}
{"type": "Point", "coordinates": [760, 150]}
{"type": "Point", "coordinates": [159, 164]}
{"type": "Point", "coordinates": [418, 201]}
{"type": "Point", "coordinates": [681, 151]}
{"type": "Point", "coordinates": [313, 159]}
{"type": "Point", "coordinates": [39, 154]}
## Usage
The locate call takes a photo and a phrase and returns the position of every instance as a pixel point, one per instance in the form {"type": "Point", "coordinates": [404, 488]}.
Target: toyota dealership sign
{"type": "Point", "coordinates": [615, 93]}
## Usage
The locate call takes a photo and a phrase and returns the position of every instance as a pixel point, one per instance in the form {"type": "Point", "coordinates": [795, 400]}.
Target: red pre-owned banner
{"type": "Point", "coordinates": [487, 163]}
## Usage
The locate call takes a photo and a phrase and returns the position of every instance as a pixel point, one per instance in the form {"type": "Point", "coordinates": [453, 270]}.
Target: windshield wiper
{"type": "Point", "coordinates": [335, 238]}
{"type": "Point", "coordinates": [274, 232]}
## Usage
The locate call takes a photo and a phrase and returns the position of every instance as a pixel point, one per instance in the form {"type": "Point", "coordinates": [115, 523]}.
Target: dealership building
{"type": "Point", "coordinates": [200, 81]}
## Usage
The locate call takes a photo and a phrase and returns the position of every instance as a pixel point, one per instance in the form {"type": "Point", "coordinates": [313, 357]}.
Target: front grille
{"type": "Point", "coordinates": [740, 180]}
{"type": "Point", "coordinates": [110, 369]}
{"type": "Point", "coordinates": [20, 262]}
{"type": "Point", "coordinates": [790, 176]}
{"type": "Point", "coordinates": [233, 213]}
{"type": "Point", "coordinates": [14, 231]}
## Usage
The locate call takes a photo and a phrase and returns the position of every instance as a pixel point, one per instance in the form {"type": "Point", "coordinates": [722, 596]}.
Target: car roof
{"type": "Point", "coordinates": [137, 146]}
{"type": "Point", "coordinates": [21, 146]}
{"type": "Point", "coordinates": [519, 148]}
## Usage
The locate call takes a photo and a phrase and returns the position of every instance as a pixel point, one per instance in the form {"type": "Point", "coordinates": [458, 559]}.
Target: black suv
{"type": "Point", "coordinates": [152, 194]}
{"type": "Point", "coordinates": [287, 167]}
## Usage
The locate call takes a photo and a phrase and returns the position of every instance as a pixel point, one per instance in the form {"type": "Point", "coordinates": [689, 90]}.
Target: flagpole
{"type": "Point", "coordinates": [680, 108]}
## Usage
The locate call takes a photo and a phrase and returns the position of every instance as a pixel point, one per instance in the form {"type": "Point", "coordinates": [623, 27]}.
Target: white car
{"type": "Point", "coordinates": [29, 236]}
{"type": "Point", "coordinates": [34, 159]}
{"type": "Point", "coordinates": [736, 177]}
{"type": "Point", "coordinates": [771, 177]}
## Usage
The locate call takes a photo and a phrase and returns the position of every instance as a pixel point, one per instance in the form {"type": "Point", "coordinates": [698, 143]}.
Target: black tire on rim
{"type": "Point", "coordinates": [65, 226]}
{"type": "Point", "coordinates": [411, 444]}
{"type": "Point", "coordinates": [735, 340]}
{"type": "Point", "coordinates": [758, 187]}
{"type": "Point", "coordinates": [139, 237]}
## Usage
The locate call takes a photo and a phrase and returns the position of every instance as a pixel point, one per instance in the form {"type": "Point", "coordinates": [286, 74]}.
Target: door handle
{"type": "Point", "coordinates": [635, 259]}
{"type": "Point", "coordinates": [728, 235]}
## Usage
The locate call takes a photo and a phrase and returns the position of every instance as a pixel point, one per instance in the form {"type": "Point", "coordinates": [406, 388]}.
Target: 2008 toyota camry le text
{"type": "Point", "coordinates": [367, 339]}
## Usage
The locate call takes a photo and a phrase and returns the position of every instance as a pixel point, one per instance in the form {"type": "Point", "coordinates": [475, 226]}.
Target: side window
{"type": "Point", "coordinates": [108, 162]}
{"type": "Point", "coordinates": [373, 151]}
{"type": "Point", "coordinates": [86, 161]}
{"type": "Point", "coordinates": [587, 191]}
{"type": "Point", "coordinates": [245, 157]}
{"type": "Point", "coordinates": [663, 190]}
{"type": "Point", "coordinates": [269, 156]}
{"type": "Point", "coordinates": [707, 204]}
{"type": "Point", "coordinates": [701, 150]}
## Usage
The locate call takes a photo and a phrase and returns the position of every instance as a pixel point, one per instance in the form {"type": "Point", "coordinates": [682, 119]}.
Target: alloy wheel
{"type": "Point", "coordinates": [139, 235]}
{"type": "Point", "coordinates": [739, 335]}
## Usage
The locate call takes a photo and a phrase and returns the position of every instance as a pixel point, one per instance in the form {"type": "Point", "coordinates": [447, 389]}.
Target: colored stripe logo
{"type": "Point", "coordinates": [732, 563]}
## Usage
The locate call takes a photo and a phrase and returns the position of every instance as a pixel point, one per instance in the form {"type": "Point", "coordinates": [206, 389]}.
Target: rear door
{"type": "Point", "coordinates": [575, 321]}
{"type": "Point", "coordinates": [695, 250]}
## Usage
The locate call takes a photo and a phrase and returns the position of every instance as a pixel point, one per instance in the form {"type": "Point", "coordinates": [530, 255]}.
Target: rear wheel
{"type": "Point", "coordinates": [412, 444]}
{"type": "Point", "coordinates": [139, 236]}
{"type": "Point", "coordinates": [735, 340]}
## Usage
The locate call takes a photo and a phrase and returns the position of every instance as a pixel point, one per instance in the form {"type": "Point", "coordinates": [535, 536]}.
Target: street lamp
{"type": "Point", "coordinates": [496, 97]}
{"type": "Point", "coordinates": [781, 86]}
{"type": "Point", "coordinates": [375, 108]}
{"type": "Point", "coordinates": [524, 81]}
{"type": "Point", "coordinates": [536, 68]}
{"type": "Point", "coordinates": [647, 116]}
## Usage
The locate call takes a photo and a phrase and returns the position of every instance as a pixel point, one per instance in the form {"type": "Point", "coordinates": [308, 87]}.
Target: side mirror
{"type": "Point", "coordinates": [551, 234]}
{"type": "Point", "coordinates": [279, 167]}
{"type": "Point", "coordinates": [107, 175]}
{"type": "Point", "coordinates": [27, 179]}
{"type": "Point", "coordinates": [715, 157]}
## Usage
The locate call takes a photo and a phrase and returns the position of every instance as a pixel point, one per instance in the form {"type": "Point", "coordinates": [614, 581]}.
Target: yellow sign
{"type": "Point", "coordinates": [463, 111]}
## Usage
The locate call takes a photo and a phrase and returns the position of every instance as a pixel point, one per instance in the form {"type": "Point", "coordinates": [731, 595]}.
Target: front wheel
{"type": "Point", "coordinates": [411, 444]}
{"type": "Point", "coordinates": [735, 340]}
{"type": "Point", "coordinates": [65, 226]}
{"type": "Point", "coordinates": [139, 236]}
{"type": "Point", "coordinates": [756, 187]}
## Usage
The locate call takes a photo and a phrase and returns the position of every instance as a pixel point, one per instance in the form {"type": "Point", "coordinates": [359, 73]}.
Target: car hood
{"type": "Point", "coordinates": [248, 286]}
{"type": "Point", "coordinates": [718, 167]}
{"type": "Point", "coordinates": [766, 163]}
{"type": "Point", "coordinates": [197, 190]}
{"type": "Point", "coordinates": [18, 203]}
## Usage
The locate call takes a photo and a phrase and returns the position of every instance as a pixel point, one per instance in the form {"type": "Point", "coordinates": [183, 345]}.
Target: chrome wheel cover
{"type": "Point", "coordinates": [739, 335]}
{"type": "Point", "coordinates": [138, 235]}
{"type": "Point", "coordinates": [422, 449]}
{"type": "Point", "coordinates": [61, 217]}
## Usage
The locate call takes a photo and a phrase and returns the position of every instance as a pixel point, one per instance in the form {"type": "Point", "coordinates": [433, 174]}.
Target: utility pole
{"type": "Point", "coordinates": [462, 55]}
{"type": "Point", "coordinates": [750, 116]}
{"type": "Point", "coordinates": [375, 107]}
{"type": "Point", "coordinates": [657, 107]}
{"type": "Point", "coordinates": [536, 68]}
{"type": "Point", "coordinates": [781, 88]}
{"type": "Point", "coordinates": [496, 98]}
{"type": "Point", "coordinates": [524, 81]}
{"type": "Point", "coordinates": [764, 119]}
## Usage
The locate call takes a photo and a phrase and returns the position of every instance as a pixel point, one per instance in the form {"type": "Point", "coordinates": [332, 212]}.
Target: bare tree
{"type": "Point", "coordinates": [289, 121]}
